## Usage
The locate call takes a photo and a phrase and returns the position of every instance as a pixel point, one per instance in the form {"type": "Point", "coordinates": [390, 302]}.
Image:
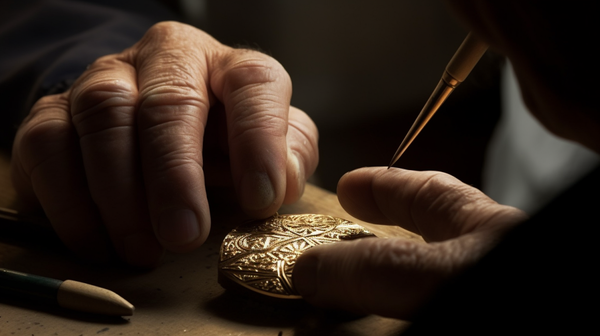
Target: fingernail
{"type": "Point", "coordinates": [257, 191]}
{"type": "Point", "coordinates": [298, 172]}
{"type": "Point", "coordinates": [142, 249]}
{"type": "Point", "coordinates": [178, 227]}
{"type": "Point", "coordinates": [305, 277]}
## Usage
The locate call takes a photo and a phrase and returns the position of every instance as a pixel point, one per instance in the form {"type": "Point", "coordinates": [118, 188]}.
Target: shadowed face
{"type": "Point", "coordinates": [550, 46]}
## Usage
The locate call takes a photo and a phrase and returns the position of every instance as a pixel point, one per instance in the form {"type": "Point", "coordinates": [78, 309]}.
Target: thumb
{"type": "Point", "coordinates": [391, 277]}
{"type": "Point", "coordinates": [394, 277]}
{"type": "Point", "coordinates": [388, 277]}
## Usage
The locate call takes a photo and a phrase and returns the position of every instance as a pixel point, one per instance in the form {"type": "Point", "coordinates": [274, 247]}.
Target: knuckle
{"type": "Point", "coordinates": [43, 138]}
{"type": "Point", "coordinates": [41, 133]}
{"type": "Point", "coordinates": [173, 36]}
{"type": "Point", "coordinates": [177, 88]}
{"type": "Point", "coordinates": [167, 63]}
{"type": "Point", "coordinates": [46, 121]}
{"type": "Point", "coordinates": [452, 197]}
{"type": "Point", "coordinates": [164, 29]}
{"type": "Point", "coordinates": [99, 104]}
{"type": "Point", "coordinates": [174, 91]}
{"type": "Point", "coordinates": [248, 126]}
{"type": "Point", "coordinates": [101, 95]}
{"type": "Point", "coordinates": [45, 104]}
{"type": "Point", "coordinates": [171, 109]}
{"type": "Point", "coordinates": [433, 195]}
{"type": "Point", "coordinates": [254, 106]}
{"type": "Point", "coordinates": [161, 34]}
{"type": "Point", "coordinates": [443, 196]}
{"type": "Point", "coordinates": [255, 68]}
{"type": "Point", "coordinates": [437, 185]}
{"type": "Point", "coordinates": [179, 160]}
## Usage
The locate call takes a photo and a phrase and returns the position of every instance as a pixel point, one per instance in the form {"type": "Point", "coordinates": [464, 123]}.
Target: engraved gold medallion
{"type": "Point", "coordinates": [260, 255]}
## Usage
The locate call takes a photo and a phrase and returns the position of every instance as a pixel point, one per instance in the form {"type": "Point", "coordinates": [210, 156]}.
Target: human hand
{"type": "Point", "coordinates": [394, 277]}
{"type": "Point", "coordinates": [124, 155]}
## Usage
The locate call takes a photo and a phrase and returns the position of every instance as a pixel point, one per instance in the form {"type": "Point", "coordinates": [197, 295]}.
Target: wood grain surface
{"type": "Point", "coordinates": [181, 296]}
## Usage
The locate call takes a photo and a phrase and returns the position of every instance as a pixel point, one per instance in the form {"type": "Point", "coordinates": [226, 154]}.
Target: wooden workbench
{"type": "Point", "coordinates": [180, 297]}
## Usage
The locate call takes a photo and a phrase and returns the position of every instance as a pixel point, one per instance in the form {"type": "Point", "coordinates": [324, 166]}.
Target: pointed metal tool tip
{"type": "Point", "coordinates": [461, 64]}
{"type": "Point", "coordinates": [398, 154]}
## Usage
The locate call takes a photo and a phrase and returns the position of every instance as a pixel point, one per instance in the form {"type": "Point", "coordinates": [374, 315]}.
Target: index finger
{"type": "Point", "coordinates": [435, 205]}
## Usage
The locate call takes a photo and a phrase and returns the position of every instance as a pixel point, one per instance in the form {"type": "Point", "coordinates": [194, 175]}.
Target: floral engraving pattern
{"type": "Point", "coordinates": [261, 255]}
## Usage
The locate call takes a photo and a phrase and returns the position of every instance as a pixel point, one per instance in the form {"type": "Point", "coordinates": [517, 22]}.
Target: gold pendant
{"type": "Point", "coordinates": [260, 255]}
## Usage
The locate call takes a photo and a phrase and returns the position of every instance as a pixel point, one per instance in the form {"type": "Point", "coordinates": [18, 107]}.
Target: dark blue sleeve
{"type": "Point", "coordinates": [46, 44]}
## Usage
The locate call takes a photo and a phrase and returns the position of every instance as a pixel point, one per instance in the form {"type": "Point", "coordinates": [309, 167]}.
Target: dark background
{"type": "Point", "coordinates": [363, 70]}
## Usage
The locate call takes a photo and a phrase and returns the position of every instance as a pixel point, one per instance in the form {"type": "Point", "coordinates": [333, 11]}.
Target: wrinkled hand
{"type": "Point", "coordinates": [394, 277]}
{"type": "Point", "coordinates": [123, 157]}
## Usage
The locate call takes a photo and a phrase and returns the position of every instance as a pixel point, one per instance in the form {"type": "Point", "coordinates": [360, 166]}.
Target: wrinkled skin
{"type": "Point", "coordinates": [547, 43]}
{"type": "Point", "coordinates": [394, 277]}
{"type": "Point", "coordinates": [123, 158]}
